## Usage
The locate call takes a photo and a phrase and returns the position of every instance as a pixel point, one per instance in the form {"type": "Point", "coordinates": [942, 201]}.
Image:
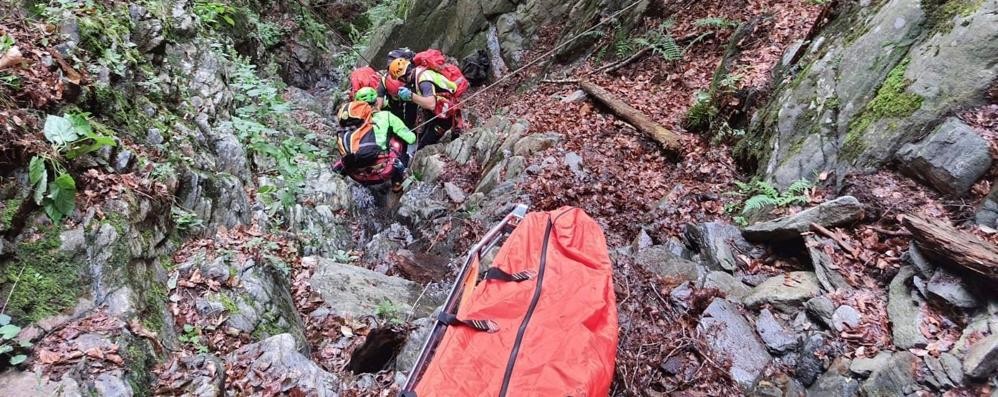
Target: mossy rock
{"type": "Point", "coordinates": [45, 280]}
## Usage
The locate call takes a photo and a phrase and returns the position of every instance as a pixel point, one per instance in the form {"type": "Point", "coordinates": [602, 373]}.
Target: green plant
{"type": "Point", "coordinates": [716, 23]}
{"type": "Point", "coordinates": [58, 197]}
{"type": "Point", "coordinates": [762, 194]}
{"type": "Point", "coordinates": [701, 114]}
{"type": "Point", "coordinates": [662, 42]}
{"type": "Point", "coordinates": [74, 135]}
{"type": "Point", "coordinates": [14, 351]}
{"type": "Point", "coordinates": [214, 13]}
{"type": "Point", "coordinates": [344, 257]}
{"type": "Point", "coordinates": [192, 336]}
{"type": "Point", "coordinates": [185, 220]}
{"type": "Point", "coordinates": [6, 42]}
{"type": "Point", "coordinates": [388, 311]}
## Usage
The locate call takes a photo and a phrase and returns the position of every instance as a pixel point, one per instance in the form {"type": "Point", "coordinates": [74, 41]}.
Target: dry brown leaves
{"type": "Point", "coordinates": [61, 351]}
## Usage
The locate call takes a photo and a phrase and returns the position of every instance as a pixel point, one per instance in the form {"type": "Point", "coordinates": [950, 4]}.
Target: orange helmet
{"type": "Point", "coordinates": [398, 68]}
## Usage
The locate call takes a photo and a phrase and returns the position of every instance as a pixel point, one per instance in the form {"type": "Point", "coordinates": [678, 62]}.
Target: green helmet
{"type": "Point", "coordinates": [366, 94]}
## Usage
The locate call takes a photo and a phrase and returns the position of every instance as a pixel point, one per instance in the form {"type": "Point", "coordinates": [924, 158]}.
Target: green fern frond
{"type": "Point", "coordinates": [759, 202]}
{"type": "Point", "coordinates": [666, 25]}
{"type": "Point", "coordinates": [799, 187]}
{"type": "Point", "coordinates": [767, 189]}
{"type": "Point", "coordinates": [716, 23]}
{"type": "Point", "coordinates": [743, 187]}
{"type": "Point", "coordinates": [669, 49]}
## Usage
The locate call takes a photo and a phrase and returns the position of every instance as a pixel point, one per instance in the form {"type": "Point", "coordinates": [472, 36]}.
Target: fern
{"type": "Point", "coordinates": [767, 189]}
{"type": "Point", "coordinates": [759, 202]}
{"type": "Point", "coordinates": [799, 187]}
{"type": "Point", "coordinates": [716, 23]}
{"type": "Point", "coordinates": [669, 49]}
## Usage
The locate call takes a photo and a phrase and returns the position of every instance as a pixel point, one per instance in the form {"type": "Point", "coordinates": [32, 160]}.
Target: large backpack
{"type": "Point", "coordinates": [551, 310]}
{"type": "Point", "coordinates": [363, 77]}
{"type": "Point", "coordinates": [434, 60]}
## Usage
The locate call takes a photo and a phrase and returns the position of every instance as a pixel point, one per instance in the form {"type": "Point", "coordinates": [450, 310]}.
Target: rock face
{"type": "Point", "coordinates": [27, 383]}
{"type": "Point", "coordinates": [661, 261]}
{"type": "Point", "coordinates": [824, 268]}
{"type": "Point", "coordinates": [733, 339]}
{"type": "Point", "coordinates": [278, 358]}
{"type": "Point", "coordinates": [786, 292]}
{"type": "Point", "coordinates": [879, 77]}
{"type": "Point", "coordinates": [355, 291]}
{"type": "Point", "coordinates": [836, 382]}
{"type": "Point", "coordinates": [903, 310]}
{"type": "Point", "coordinates": [951, 159]}
{"type": "Point", "coordinates": [774, 333]}
{"type": "Point", "coordinates": [949, 288]}
{"type": "Point", "coordinates": [841, 211]}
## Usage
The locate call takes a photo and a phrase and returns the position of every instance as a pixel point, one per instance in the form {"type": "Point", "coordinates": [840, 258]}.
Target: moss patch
{"type": "Point", "coordinates": [940, 13]}
{"type": "Point", "coordinates": [8, 212]}
{"type": "Point", "coordinates": [50, 282]}
{"type": "Point", "coordinates": [892, 101]}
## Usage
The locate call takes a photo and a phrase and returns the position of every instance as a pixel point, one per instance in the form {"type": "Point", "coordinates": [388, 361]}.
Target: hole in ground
{"type": "Point", "coordinates": [378, 351]}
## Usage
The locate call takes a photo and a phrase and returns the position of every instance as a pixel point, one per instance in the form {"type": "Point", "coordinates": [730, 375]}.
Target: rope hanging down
{"type": "Point", "coordinates": [537, 60]}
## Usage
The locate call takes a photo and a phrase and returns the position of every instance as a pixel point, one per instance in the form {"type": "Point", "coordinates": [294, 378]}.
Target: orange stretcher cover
{"type": "Point", "coordinates": [569, 340]}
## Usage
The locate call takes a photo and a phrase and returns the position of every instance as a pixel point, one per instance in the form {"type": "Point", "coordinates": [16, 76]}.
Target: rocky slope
{"type": "Point", "coordinates": [211, 251]}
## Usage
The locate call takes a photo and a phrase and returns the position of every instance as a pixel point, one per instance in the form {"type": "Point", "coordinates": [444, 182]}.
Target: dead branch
{"type": "Point", "coordinates": [828, 233]}
{"type": "Point", "coordinates": [954, 247]}
{"type": "Point", "coordinates": [668, 140]}
{"type": "Point", "coordinates": [613, 67]}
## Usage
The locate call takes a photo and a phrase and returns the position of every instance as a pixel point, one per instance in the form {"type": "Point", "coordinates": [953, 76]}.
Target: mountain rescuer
{"type": "Point", "coordinates": [375, 146]}
{"type": "Point", "coordinates": [429, 90]}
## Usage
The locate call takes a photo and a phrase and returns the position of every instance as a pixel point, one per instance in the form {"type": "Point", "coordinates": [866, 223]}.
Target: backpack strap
{"type": "Point", "coordinates": [478, 325]}
{"type": "Point", "coordinates": [498, 274]}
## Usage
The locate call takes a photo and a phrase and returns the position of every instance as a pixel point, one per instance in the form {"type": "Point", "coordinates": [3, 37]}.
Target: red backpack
{"type": "Point", "coordinates": [434, 60]}
{"type": "Point", "coordinates": [363, 77]}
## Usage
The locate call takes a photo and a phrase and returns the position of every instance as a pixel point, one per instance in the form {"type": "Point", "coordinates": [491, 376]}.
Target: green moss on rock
{"type": "Point", "coordinates": [940, 13]}
{"type": "Point", "coordinates": [50, 282]}
{"type": "Point", "coordinates": [7, 213]}
{"type": "Point", "coordinates": [892, 101]}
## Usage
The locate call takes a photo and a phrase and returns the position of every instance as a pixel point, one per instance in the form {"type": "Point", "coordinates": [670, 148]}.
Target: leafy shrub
{"type": "Point", "coordinates": [214, 13]}
{"type": "Point", "coordinates": [388, 311]}
{"type": "Point", "coordinates": [14, 351]}
{"type": "Point", "coordinates": [192, 336]}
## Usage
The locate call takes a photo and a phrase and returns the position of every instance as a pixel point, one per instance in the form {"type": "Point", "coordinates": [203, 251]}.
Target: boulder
{"type": "Point", "coordinates": [903, 309]}
{"type": "Point", "coordinates": [915, 258]}
{"type": "Point", "coordinates": [28, 383]}
{"type": "Point", "coordinates": [718, 244]}
{"type": "Point", "coordinates": [835, 382]}
{"type": "Point", "coordinates": [896, 377]}
{"type": "Point", "coordinates": [864, 366]}
{"type": "Point", "coordinates": [824, 267]}
{"type": "Point", "coordinates": [774, 334]}
{"type": "Point", "coordinates": [659, 260]}
{"type": "Point", "coordinates": [454, 193]}
{"type": "Point", "coordinates": [785, 292]}
{"type": "Point", "coordinates": [357, 292]}
{"type": "Point", "coordinates": [535, 143]}
{"type": "Point", "coordinates": [733, 340]}
{"type": "Point", "coordinates": [950, 159]}
{"type": "Point", "coordinates": [982, 358]}
{"type": "Point", "coordinates": [733, 289]}
{"type": "Point", "coordinates": [277, 359]}
{"type": "Point", "coordinates": [841, 211]}
{"type": "Point", "coordinates": [944, 372]}
{"type": "Point", "coordinates": [949, 288]}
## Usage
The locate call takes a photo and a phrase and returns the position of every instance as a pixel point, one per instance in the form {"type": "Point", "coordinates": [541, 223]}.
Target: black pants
{"type": "Point", "coordinates": [433, 130]}
{"type": "Point", "coordinates": [407, 111]}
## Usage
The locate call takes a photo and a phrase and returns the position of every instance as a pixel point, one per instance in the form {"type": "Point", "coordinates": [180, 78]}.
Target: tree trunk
{"type": "Point", "coordinates": [667, 139]}
{"type": "Point", "coordinates": [943, 242]}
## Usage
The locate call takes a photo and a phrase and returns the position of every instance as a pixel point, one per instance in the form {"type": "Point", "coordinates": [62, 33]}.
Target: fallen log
{"type": "Point", "coordinates": [957, 248]}
{"type": "Point", "coordinates": [667, 139]}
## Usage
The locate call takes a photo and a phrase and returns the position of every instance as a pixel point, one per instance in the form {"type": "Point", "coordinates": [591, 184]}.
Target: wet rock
{"type": "Point", "coordinates": [822, 309]}
{"type": "Point", "coordinates": [864, 366]}
{"type": "Point", "coordinates": [659, 260]}
{"type": "Point", "coordinates": [786, 292]}
{"type": "Point", "coordinates": [813, 359]}
{"type": "Point", "coordinates": [841, 211]}
{"type": "Point", "coordinates": [355, 291]}
{"type": "Point", "coordinates": [835, 382]}
{"type": "Point", "coordinates": [732, 288]}
{"type": "Point", "coordinates": [982, 358]}
{"type": "Point", "coordinates": [15, 382]}
{"type": "Point", "coordinates": [774, 334]}
{"type": "Point", "coordinates": [846, 318]}
{"type": "Point", "coordinates": [535, 143]}
{"type": "Point", "coordinates": [903, 311]}
{"type": "Point", "coordinates": [950, 289]}
{"type": "Point", "coordinates": [896, 377]}
{"type": "Point", "coordinates": [455, 193]}
{"type": "Point", "coordinates": [410, 351]}
{"type": "Point", "coordinates": [733, 339]}
{"type": "Point", "coordinates": [824, 268]}
{"type": "Point", "coordinates": [278, 358]}
{"type": "Point", "coordinates": [718, 244]}
{"type": "Point", "coordinates": [951, 159]}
